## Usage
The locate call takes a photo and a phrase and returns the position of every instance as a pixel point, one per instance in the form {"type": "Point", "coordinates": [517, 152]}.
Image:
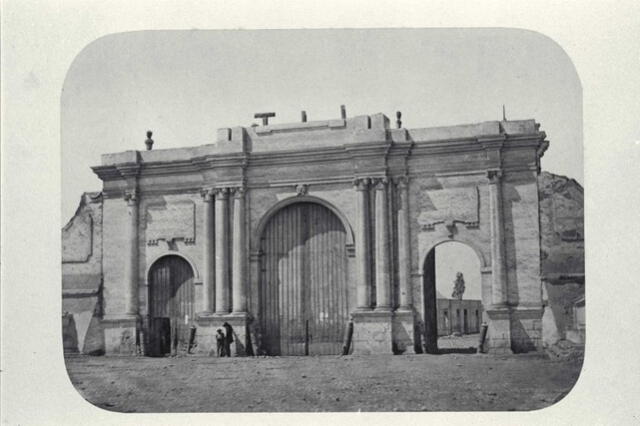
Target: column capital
{"type": "Point", "coordinates": [401, 181]}
{"type": "Point", "coordinates": [380, 183]}
{"type": "Point", "coordinates": [207, 194]}
{"type": "Point", "coordinates": [131, 196]}
{"type": "Point", "coordinates": [222, 193]}
{"type": "Point", "coordinates": [494, 175]}
{"type": "Point", "coordinates": [361, 184]}
{"type": "Point", "coordinates": [238, 192]}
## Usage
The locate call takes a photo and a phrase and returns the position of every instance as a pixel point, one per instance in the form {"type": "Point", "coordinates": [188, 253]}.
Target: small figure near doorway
{"type": "Point", "coordinates": [220, 343]}
{"type": "Point", "coordinates": [228, 338]}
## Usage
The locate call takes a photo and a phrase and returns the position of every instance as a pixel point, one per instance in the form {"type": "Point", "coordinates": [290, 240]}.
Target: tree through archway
{"type": "Point", "coordinates": [452, 323]}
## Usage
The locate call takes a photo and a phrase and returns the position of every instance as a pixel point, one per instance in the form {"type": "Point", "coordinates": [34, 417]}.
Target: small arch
{"type": "Point", "coordinates": [301, 199]}
{"type": "Point", "coordinates": [196, 275]}
{"type": "Point", "coordinates": [481, 257]}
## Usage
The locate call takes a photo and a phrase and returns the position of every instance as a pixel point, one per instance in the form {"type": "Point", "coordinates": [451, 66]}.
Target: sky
{"type": "Point", "coordinates": [183, 85]}
{"type": "Point", "coordinates": [453, 257]}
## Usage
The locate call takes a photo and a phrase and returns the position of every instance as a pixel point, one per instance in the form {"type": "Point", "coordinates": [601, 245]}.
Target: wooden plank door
{"type": "Point", "coordinates": [171, 307]}
{"type": "Point", "coordinates": [303, 296]}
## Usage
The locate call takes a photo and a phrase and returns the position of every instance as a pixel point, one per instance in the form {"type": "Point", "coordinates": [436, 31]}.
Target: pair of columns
{"type": "Point", "coordinates": [382, 245]}
{"type": "Point", "coordinates": [218, 274]}
{"type": "Point", "coordinates": [218, 234]}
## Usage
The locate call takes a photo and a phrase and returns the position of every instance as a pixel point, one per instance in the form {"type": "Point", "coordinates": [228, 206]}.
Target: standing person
{"type": "Point", "coordinates": [220, 343]}
{"type": "Point", "coordinates": [228, 338]}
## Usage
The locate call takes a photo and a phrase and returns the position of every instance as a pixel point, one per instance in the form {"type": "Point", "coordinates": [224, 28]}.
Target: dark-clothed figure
{"type": "Point", "coordinates": [220, 343]}
{"type": "Point", "coordinates": [228, 338]}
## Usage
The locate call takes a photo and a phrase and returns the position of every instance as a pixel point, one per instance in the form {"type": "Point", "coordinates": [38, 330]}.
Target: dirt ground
{"type": "Point", "coordinates": [447, 382]}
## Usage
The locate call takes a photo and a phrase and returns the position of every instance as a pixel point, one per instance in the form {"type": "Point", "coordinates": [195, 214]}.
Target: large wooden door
{"type": "Point", "coordinates": [171, 304]}
{"type": "Point", "coordinates": [303, 289]}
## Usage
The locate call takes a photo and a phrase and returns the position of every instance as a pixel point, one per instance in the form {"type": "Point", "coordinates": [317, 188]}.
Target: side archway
{"type": "Point", "coordinates": [171, 304]}
{"type": "Point", "coordinates": [453, 309]}
{"type": "Point", "coordinates": [196, 275]}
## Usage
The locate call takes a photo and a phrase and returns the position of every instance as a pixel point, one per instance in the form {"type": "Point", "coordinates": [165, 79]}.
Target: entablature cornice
{"type": "Point", "coordinates": [298, 157]}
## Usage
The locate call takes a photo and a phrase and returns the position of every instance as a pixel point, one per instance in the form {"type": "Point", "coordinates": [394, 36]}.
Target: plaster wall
{"type": "Point", "coordinates": [82, 278]}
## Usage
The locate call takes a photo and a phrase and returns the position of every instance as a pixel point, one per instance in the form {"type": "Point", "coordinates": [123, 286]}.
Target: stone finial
{"type": "Point", "coordinates": [149, 141]}
{"type": "Point", "coordinates": [303, 115]}
{"type": "Point", "coordinates": [399, 119]}
{"type": "Point", "coordinates": [504, 113]}
{"type": "Point", "coordinates": [265, 117]}
{"type": "Point", "coordinates": [343, 112]}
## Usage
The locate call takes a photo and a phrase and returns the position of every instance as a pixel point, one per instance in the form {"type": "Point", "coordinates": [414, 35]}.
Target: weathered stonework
{"type": "Point", "coordinates": [561, 258]}
{"type": "Point", "coordinates": [396, 193]}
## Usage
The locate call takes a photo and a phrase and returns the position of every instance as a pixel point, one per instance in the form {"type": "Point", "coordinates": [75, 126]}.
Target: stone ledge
{"type": "Point", "coordinates": [121, 320]}
{"type": "Point", "coordinates": [371, 315]}
{"type": "Point", "coordinates": [404, 314]}
{"type": "Point", "coordinates": [236, 317]}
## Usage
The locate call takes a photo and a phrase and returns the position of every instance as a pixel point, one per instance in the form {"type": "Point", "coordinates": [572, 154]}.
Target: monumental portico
{"type": "Point", "coordinates": [308, 236]}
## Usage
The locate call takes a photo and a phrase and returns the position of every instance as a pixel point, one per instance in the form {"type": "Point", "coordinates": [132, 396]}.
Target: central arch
{"type": "Point", "coordinates": [303, 285]}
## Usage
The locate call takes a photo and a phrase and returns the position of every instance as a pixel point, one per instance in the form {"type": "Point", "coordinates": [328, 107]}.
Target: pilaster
{"type": "Point", "coordinates": [363, 247]}
{"type": "Point", "coordinates": [499, 284]}
{"type": "Point", "coordinates": [383, 274]}
{"type": "Point", "coordinates": [208, 253]}
{"type": "Point", "coordinates": [239, 252]}
{"type": "Point", "coordinates": [222, 296]}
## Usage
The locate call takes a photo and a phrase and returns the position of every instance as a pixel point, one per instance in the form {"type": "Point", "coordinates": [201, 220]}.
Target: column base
{"type": "Point", "coordinates": [372, 332]}
{"type": "Point", "coordinates": [402, 330]}
{"type": "Point", "coordinates": [498, 340]}
{"type": "Point", "coordinates": [122, 334]}
{"type": "Point", "coordinates": [207, 326]}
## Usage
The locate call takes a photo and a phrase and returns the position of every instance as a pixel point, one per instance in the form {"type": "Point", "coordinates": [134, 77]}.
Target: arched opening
{"type": "Point", "coordinates": [171, 305]}
{"type": "Point", "coordinates": [303, 293]}
{"type": "Point", "coordinates": [452, 290]}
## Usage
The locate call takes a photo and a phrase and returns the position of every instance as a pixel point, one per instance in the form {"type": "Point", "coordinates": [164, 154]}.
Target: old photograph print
{"type": "Point", "coordinates": [322, 221]}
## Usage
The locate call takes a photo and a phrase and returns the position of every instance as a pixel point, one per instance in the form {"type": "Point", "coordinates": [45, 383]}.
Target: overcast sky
{"type": "Point", "coordinates": [184, 85]}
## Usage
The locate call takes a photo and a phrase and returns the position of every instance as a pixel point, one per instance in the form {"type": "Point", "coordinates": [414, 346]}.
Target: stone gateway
{"type": "Point", "coordinates": [310, 238]}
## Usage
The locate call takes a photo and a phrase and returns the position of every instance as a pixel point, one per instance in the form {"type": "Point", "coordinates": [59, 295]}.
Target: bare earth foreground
{"type": "Point", "coordinates": [449, 382]}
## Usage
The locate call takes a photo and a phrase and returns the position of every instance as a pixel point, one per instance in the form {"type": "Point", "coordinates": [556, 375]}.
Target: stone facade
{"type": "Point", "coordinates": [398, 193]}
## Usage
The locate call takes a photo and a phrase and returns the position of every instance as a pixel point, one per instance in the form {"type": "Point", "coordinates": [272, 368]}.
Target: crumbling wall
{"type": "Point", "coordinates": [561, 255]}
{"type": "Point", "coordinates": [82, 278]}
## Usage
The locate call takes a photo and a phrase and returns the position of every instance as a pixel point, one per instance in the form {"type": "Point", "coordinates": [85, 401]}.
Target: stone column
{"type": "Point", "coordinates": [383, 276]}
{"type": "Point", "coordinates": [131, 255]}
{"type": "Point", "coordinates": [404, 246]}
{"type": "Point", "coordinates": [207, 261]}
{"type": "Point", "coordinates": [239, 253]}
{"type": "Point", "coordinates": [363, 248]}
{"type": "Point", "coordinates": [498, 269]}
{"type": "Point", "coordinates": [222, 253]}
